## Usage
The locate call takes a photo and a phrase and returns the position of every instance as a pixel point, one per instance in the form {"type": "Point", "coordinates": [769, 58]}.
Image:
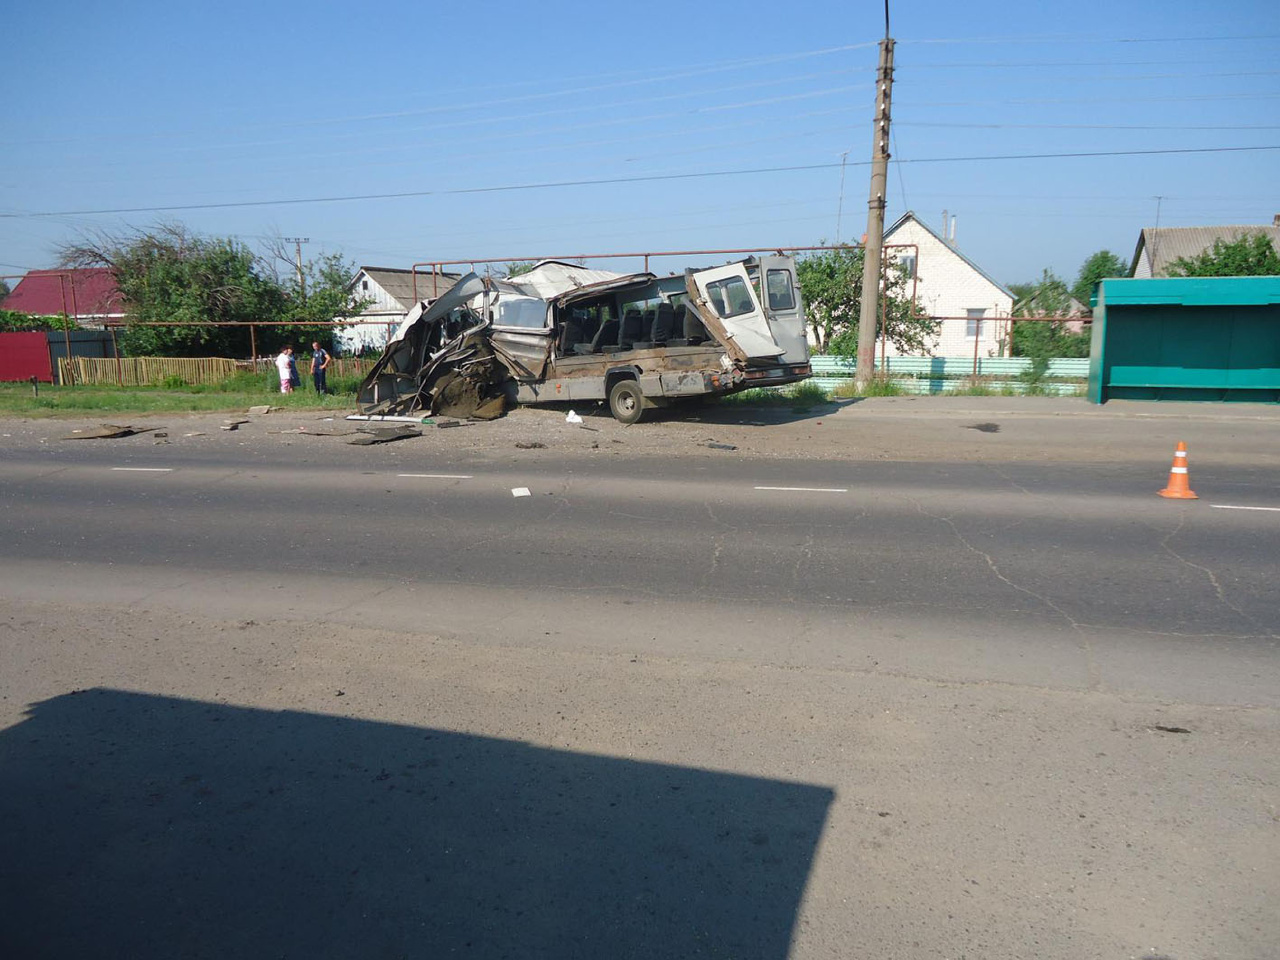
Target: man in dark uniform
{"type": "Point", "coordinates": [319, 364]}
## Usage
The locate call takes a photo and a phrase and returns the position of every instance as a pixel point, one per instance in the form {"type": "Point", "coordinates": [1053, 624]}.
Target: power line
{"type": "Point", "coordinates": [609, 181]}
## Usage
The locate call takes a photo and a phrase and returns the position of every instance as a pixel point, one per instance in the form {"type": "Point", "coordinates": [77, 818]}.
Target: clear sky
{"type": "Point", "coordinates": [220, 112]}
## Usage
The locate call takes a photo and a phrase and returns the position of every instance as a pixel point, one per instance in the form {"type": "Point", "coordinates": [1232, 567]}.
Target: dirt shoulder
{"type": "Point", "coordinates": [1000, 429]}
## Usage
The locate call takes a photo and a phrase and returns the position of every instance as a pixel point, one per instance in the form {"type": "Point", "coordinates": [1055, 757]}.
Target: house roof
{"type": "Point", "coordinates": [82, 293]}
{"type": "Point", "coordinates": [399, 284]}
{"type": "Point", "coordinates": [1162, 245]}
{"type": "Point", "coordinates": [910, 216]}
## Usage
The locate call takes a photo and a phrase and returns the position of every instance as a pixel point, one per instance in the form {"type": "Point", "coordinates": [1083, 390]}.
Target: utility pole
{"type": "Point", "coordinates": [873, 249]}
{"type": "Point", "coordinates": [297, 246]}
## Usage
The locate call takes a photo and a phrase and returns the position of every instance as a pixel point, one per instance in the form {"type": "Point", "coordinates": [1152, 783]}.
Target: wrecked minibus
{"type": "Point", "coordinates": [565, 332]}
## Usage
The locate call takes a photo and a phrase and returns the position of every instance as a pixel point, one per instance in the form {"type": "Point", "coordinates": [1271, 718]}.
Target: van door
{"type": "Point", "coordinates": [732, 312]}
{"type": "Point", "coordinates": [520, 332]}
{"type": "Point", "coordinates": [783, 307]}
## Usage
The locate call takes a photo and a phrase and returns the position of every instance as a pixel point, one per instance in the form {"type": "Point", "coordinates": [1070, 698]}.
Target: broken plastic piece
{"type": "Point", "coordinates": [572, 418]}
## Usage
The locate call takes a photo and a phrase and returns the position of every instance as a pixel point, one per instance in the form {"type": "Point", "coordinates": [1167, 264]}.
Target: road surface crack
{"type": "Point", "coordinates": [1213, 577]}
{"type": "Point", "coordinates": [1086, 644]}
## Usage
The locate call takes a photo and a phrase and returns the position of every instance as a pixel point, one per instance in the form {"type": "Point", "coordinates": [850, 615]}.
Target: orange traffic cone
{"type": "Point", "coordinates": [1179, 487]}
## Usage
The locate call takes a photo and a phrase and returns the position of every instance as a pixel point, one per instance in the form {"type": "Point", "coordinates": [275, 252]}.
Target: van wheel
{"type": "Point", "coordinates": [626, 401]}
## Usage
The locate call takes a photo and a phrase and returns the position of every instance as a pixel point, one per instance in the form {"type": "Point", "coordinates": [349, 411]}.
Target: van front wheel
{"type": "Point", "coordinates": [626, 401]}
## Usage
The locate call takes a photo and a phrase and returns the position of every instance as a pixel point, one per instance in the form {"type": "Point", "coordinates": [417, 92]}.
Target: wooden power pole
{"type": "Point", "coordinates": [297, 246]}
{"type": "Point", "coordinates": [873, 249]}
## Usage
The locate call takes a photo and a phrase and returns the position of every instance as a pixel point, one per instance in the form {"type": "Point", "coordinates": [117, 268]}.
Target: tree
{"type": "Point", "coordinates": [1045, 339]}
{"type": "Point", "coordinates": [323, 294]}
{"type": "Point", "coordinates": [168, 275]}
{"type": "Point", "coordinates": [1245, 256]}
{"type": "Point", "coordinates": [1048, 297]}
{"type": "Point", "coordinates": [4, 289]}
{"type": "Point", "coordinates": [1099, 266]}
{"type": "Point", "coordinates": [831, 284]}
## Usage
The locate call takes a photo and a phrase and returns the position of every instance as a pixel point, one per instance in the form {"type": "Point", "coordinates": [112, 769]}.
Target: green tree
{"type": "Point", "coordinates": [167, 275]}
{"type": "Point", "coordinates": [4, 289]}
{"type": "Point", "coordinates": [323, 295]}
{"type": "Point", "coordinates": [1043, 340]}
{"type": "Point", "coordinates": [831, 284]}
{"type": "Point", "coordinates": [1047, 297]}
{"type": "Point", "coordinates": [1098, 266]}
{"type": "Point", "coordinates": [1245, 256]}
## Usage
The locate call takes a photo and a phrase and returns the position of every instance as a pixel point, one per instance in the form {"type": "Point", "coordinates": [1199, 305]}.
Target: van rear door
{"type": "Point", "coordinates": [783, 307]}
{"type": "Point", "coordinates": [731, 311]}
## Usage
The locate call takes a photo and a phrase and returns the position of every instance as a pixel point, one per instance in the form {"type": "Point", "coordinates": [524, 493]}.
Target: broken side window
{"type": "Point", "coordinates": [527, 313]}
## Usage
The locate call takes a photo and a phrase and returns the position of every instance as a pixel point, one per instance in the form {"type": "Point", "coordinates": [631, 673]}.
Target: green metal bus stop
{"type": "Point", "coordinates": [1186, 338]}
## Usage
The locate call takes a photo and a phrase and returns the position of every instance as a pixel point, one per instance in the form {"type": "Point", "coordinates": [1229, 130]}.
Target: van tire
{"type": "Point", "coordinates": [626, 401]}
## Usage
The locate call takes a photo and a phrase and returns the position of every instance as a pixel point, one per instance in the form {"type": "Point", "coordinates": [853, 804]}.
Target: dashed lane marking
{"type": "Point", "coordinates": [438, 476]}
{"type": "Point", "coordinates": [1227, 506]}
{"type": "Point", "coordinates": [144, 469]}
{"type": "Point", "coordinates": [808, 489]}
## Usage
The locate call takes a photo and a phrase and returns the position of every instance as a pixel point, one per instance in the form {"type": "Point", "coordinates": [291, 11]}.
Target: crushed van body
{"type": "Point", "coordinates": [563, 332]}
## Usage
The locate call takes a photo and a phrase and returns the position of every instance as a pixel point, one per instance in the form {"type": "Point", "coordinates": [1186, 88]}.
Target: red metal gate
{"type": "Point", "coordinates": [25, 355]}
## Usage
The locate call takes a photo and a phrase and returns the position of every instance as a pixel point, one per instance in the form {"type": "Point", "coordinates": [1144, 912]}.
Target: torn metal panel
{"type": "Point", "coordinates": [371, 435]}
{"type": "Point", "coordinates": [108, 431]}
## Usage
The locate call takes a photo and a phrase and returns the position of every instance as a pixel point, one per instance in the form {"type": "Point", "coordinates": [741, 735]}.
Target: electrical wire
{"type": "Point", "coordinates": [609, 181]}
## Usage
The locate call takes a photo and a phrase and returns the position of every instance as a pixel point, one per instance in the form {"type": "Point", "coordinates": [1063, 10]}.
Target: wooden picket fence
{"type": "Point", "coordinates": [154, 371]}
{"type": "Point", "coordinates": [143, 371]}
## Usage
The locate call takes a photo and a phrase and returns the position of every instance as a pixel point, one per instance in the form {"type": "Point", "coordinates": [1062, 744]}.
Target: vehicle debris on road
{"type": "Point", "coordinates": [371, 435]}
{"type": "Point", "coordinates": [109, 431]}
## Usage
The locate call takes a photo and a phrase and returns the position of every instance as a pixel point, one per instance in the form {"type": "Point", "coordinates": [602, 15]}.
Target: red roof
{"type": "Point", "coordinates": [83, 294]}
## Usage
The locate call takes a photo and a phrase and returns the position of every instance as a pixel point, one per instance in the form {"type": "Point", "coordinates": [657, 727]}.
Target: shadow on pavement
{"type": "Point", "coordinates": [146, 827]}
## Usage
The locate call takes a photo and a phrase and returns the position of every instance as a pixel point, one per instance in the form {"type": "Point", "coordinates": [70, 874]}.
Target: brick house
{"type": "Point", "coordinates": [972, 308]}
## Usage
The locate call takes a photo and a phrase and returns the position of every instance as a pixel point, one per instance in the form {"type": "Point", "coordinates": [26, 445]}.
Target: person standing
{"type": "Point", "coordinates": [319, 364]}
{"type": "Point", "coordinates": [284, 364]}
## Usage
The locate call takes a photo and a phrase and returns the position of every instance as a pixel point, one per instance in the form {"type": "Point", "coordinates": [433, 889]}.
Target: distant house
{"type": "Point", "coordinates": [972, 308]}
{"type": "Point", "coordinates": [392, 292]}
{"type": "Point", "coordinates": [89, 297]}
{"type": "Point", "coordinates": [1159, 247]}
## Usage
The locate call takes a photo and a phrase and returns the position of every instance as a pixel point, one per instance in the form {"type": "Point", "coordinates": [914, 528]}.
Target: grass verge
{"type": "Point", "coordinates": [800, 396]}
{"type": "Point", "coordinates": [237, 394]}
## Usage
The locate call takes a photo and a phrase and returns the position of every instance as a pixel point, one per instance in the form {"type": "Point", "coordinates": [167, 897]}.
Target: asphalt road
{"type": "Point", "coordinates": [729, 705]}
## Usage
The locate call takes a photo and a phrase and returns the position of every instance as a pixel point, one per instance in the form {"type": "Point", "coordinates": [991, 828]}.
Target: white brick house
{"type": "Point", "coordinates": [972, 307]}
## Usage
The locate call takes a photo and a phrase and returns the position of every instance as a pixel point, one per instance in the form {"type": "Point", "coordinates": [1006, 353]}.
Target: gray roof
{"type": "Point", "coordinates": [399, 283]}
{"type": "Point", "coordinates": [1158, 247]}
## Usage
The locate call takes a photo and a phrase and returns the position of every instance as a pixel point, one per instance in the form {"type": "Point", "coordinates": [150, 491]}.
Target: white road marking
{"type": "Point", "coordinates": [145, 469]}
{"type": "Point", "coordinates": [808, 489]}
{"type": "Point", "coordinates": [438, 476]}
{"type": "Point", "coordinates": [1227, 506]}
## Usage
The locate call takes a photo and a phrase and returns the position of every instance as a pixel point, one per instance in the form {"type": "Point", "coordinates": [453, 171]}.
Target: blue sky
{"type": "Point", "coordinates": [221, 112]}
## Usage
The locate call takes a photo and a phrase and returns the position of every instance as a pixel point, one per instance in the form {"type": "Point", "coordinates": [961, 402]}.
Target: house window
{"type": "Point", "coordinates": [364, 286]}
{"type": "Point", "coordinates": [973, 323]}
{"type": "Point", "coordinates": [908, 264]}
